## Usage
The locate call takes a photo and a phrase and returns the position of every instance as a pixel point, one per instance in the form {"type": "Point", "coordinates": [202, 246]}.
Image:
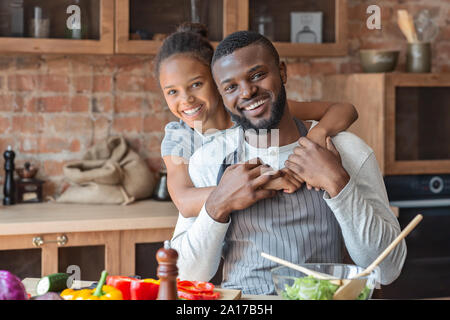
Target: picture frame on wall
{"type": "Point", "coordinates": [306, 27]}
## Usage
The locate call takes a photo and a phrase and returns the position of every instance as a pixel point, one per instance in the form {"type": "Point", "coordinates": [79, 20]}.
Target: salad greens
{"type": "Point", "coordinates": [310, 288]}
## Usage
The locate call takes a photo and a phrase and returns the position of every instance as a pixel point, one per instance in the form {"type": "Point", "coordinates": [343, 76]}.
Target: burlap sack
{"type": "Point", "coordinates": [109, 173]}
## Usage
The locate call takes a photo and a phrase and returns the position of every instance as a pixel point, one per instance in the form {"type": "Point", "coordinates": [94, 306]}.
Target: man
{"type": "Point", "coordinates": [239, 220]}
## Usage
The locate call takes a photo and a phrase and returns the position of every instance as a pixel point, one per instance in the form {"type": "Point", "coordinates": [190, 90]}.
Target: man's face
{"type": "Point", "coordinates": [252, 86]}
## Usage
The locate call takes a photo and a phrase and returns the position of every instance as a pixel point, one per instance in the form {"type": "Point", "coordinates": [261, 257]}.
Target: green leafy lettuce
{"type": "Point", "coordinates": [310, 288]}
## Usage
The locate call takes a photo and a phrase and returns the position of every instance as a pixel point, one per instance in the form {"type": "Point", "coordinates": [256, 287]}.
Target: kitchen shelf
{"type": "Point", "coordinates": [138, 26]}
{"type": "Point", "coordinates": [403, 117]}
{"type": "Point", "coordinates": [141, 25]}
{"type": "Point", "coordinates": [334, 26]}
{"type": "Point", "coordinates": [99, 39]}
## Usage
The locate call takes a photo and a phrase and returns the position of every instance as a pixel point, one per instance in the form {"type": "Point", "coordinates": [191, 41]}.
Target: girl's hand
{"type": "Point", "coordinates": [317, 135]}
{"type": "Point", "coordinates": [287, 182]}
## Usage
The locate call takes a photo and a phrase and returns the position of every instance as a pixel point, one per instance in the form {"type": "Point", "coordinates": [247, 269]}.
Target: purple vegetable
{"type": "Point", "coordinates": [48, 296]}
{"type": "Point", "coordinates": [11, 288]}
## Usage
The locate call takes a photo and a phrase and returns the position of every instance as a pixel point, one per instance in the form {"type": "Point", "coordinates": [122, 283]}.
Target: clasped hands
{"type": "Point", "coordinates": [242, 185]}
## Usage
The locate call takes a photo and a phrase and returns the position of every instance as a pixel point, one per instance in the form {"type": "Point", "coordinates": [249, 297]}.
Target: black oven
{"type": "Point", "coordinates": [426, 272]}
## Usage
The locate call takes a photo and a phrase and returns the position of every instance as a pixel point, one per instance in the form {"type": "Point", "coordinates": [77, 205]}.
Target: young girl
{"type": "Point", "coordinates": [183, 70]}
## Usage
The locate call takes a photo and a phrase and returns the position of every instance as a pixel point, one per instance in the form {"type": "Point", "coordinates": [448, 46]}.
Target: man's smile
{"type": "Point", "coordinates": [256, 107]}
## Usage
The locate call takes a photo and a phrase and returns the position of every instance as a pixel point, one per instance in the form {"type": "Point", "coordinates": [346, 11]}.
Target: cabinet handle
{"type": "Point", "coordinates": [60, 240]}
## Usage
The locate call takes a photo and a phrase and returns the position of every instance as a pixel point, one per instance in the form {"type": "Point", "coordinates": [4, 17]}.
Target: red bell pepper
{"type": "Point", "coordinates": [146, 289]}
{"type": "Point", "coordinates": [198, 296]}
{"type": "Point", "coordinates": [196, 290]}
{"type": "Point", "coordinates": [121, 283]}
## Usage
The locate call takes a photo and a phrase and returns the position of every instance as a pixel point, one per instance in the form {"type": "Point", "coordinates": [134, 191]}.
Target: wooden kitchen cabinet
{"type": "Point", "coordinates": [141, 25]}
{"type": "Point", "coordinates": [403, 117]}
{"type": "Point", "coordinates": [97, 18]}
{"type": "Point", "coordinates": [40, 239]}
{"type": "Point", "coordinates": [156, 18]}
{"type": "Point", "coordinates": [259, 15]}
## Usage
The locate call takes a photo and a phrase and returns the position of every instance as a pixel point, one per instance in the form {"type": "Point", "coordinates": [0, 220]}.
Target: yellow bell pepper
{"type": "Point", "coordinates": [101, 292]}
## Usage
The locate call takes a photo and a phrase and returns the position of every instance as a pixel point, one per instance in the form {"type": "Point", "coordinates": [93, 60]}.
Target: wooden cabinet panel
{"type": "Point", "coordinates": [392, 110]}
{"type": "Point", "coordinates": [100, 37]}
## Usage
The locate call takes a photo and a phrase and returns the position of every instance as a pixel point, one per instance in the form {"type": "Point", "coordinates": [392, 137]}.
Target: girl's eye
{"type": "Point", "coordinates": [196, 84]}
{"type": "Point", "coordinates": [171, 92]}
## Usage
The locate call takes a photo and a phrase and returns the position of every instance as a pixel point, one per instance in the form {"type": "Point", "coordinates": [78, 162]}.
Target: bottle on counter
{"type": "Point", "coordinates": [161, 191]}
{"type": "Point", "coordinates": [9, 188]}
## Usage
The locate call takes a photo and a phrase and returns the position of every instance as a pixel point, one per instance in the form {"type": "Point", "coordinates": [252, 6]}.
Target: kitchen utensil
{"type": "Point", "coordinates": [418, 57]}
{"type": "Point", "coordinates": [374, 60]}
{"type": "Point", "coordinates": [351, 289]}
{"type": "Point", "coordinates": [406, 25]}
{"type": "Point", "coordinates": [427, 30]}
{"type": "Point", "coordinates": [304, 270]}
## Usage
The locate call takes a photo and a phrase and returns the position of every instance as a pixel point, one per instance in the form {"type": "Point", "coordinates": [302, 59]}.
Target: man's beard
{"type": "Point", "coordinates": [275, 115]}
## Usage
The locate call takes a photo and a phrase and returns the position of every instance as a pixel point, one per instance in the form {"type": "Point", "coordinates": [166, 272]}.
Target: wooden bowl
{"type": "Point", "coordinates": [375, 60]}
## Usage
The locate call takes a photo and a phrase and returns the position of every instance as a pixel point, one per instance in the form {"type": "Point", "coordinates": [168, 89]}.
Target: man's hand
{"type": "Point", "coordinates": [319, 167]}
{"type": "Point", "coordinates": [288, 182]}
{"type": "Point", "coordinates": [239, 188]}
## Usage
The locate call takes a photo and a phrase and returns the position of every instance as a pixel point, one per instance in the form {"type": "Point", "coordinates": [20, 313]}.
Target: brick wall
{"type": "Point", "coordinates": [52, 108]}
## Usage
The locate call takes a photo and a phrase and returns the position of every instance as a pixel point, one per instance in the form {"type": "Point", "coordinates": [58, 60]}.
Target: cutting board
{"type": "Point", "coordinates": [31, 283]}
{"type": "Point", "coordinates": [228, 294]}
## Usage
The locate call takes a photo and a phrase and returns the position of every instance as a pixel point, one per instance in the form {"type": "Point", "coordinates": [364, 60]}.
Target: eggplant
{"type": "Point", "coordinates": [11, 287]}
{"type": "Point", "coordinates": [48, 296]}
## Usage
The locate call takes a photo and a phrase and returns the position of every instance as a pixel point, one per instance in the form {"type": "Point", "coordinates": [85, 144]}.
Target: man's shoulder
{"type": "Point", "coordinates": [352, 149]}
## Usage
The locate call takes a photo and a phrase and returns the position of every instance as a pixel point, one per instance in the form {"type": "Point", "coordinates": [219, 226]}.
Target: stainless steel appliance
{"type": "Point", "coordinates": [426, 272]}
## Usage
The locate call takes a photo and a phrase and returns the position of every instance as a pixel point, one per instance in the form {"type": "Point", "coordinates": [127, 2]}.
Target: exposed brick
{"type": "Point", "coordinates": [127, 124]}
{"type": "Point", "coordinates": [26, 124]}
{"type": "Point", "coordinates": [82, 84]}
{"type": "Point", "coordinates": [125, 103]}
{"type": "Point", "coordinates": [21, 82]}
{"type": "Point", "coordinates": [5, 125]}
{"type": "Point", "coordinates": [130, 83]}
{"type": "Point", "coordinates": [6, 102]}
{"type": "Point", "coordinates": [53, 83]}
{"type": "Point", "coordinates": [53, 168]}
{"type": "Point", "coordinates": [79, 103]}
{"type": "Point", "coordinates": [69, 125]}
{"type": "Point", "coordinates": [53, 104]}
{"type": "Point", "coordinates": [102, 83]}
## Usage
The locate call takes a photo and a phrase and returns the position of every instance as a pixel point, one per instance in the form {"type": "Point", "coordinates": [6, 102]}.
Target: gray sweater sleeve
{"type": "Point", "coordinates": [199, 243]}
{"type": "Point", "coordinates": [368, 225]}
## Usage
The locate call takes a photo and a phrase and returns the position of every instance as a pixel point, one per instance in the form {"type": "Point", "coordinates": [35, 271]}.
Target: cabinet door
{"type": "Point", "coordinates": [138, 251]}
{"type": "Point", "coordinates": [417, 130]}
{"type": "Point", "coordinates": [57, 26]}
{"type": "Point", "coordinates": [19, 256]}
{"type": "Point", "coordinates": [297, 28]}
{"type": "Point", "coordinates": [141, 25]}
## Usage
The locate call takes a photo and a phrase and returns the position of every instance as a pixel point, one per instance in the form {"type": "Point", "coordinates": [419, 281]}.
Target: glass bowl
{"type": "Point", "coordinates": [291, 284]}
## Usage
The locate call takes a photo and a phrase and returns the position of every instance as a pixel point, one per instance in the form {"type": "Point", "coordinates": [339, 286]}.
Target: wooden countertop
{"type": "Point", "coordinates": [56, 217]}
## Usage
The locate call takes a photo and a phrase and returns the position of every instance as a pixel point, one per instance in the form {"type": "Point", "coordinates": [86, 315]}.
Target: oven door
{"type": "Point", "coordinates": [426, 272]}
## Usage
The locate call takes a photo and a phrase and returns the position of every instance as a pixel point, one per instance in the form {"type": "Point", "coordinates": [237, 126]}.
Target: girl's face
{"type": "Point", "coordinates": [189, 89]}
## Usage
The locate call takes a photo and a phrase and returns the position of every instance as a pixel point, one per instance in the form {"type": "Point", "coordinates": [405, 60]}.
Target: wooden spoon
{"type": "Point", "coordinates": [406, 25]}
{"type": "Point", "coordinates": [315, 274]}
{"type": "Point", "coordinates": [353, 287]}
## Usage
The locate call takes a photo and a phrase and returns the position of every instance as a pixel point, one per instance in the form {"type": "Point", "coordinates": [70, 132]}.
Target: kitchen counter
{"type": "Point", "coordinates": [56, 217]}
{"type": "Point", "coordinates": [55, 227]}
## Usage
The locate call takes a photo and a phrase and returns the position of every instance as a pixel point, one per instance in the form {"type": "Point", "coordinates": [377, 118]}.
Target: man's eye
{"type": "Point", "coordinates": [258, 75]}
{"type": "Point", "coordinates": [230, 87]}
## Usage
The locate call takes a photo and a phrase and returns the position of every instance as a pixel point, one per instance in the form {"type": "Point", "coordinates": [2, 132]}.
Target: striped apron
{"type": "Point", "coordinates": [297, 227]}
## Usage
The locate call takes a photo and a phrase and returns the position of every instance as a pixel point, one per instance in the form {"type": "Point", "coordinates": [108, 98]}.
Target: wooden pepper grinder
{"type": "Point", "coordinates": [9, 188]}
{"type": "Point", "coordinates": [167, 272]}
